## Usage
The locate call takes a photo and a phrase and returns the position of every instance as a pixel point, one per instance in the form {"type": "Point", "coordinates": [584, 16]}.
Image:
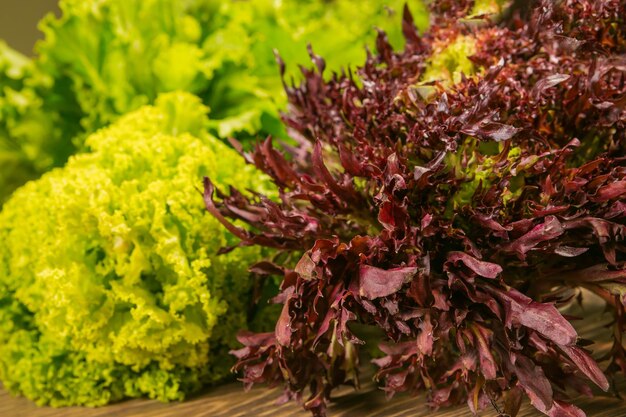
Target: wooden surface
{"type": "Point", "coordinates": [230, 400]}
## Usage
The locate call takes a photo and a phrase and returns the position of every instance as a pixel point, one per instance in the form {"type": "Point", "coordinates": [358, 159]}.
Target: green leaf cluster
{"type": "Point", "coordinates": [120, 54]}
{"type": "Point", "coordinates": [110, 281]}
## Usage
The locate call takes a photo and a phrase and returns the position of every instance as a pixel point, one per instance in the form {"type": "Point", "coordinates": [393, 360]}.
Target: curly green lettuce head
{"type": "Point", "coordinates": [111, 285]}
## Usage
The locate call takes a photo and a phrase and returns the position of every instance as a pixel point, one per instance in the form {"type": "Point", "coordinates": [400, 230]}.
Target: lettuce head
{"type": "Point", "coordinates": [111, 285]}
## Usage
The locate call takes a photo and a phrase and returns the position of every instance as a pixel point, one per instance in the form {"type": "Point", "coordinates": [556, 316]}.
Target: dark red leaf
{"type": "Point", "coordinates": [533, 380]}
{"type": "Point", "coordinates": [587, 365]}
{"type": "Point", "coordinates": [544, 318]}
{"type": "Point", "coordinates": [482, 268]}
{"type": "Point", "coordinates": [375, 282]}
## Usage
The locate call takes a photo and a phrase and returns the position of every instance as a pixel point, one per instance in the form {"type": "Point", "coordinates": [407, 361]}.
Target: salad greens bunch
{"type": "Point", "coordinates": [454, 198]}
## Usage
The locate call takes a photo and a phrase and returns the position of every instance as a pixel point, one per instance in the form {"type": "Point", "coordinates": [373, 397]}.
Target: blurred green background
{"type": "Point", "coordinates": [18, 21]}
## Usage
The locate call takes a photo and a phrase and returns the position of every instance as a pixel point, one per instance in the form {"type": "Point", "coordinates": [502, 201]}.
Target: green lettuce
{"type": "Point", "coordinates": [110, 281]}
{"type": "Point", "coordinates": [120, 54]}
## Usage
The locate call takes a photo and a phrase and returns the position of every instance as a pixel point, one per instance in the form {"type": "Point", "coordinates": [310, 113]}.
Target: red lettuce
{"type": "Point", "coordinates": [458, 221]}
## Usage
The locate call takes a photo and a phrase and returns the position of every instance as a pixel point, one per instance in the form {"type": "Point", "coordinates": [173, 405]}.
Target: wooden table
{"type": "Point", "coordinates": [230, 400]}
